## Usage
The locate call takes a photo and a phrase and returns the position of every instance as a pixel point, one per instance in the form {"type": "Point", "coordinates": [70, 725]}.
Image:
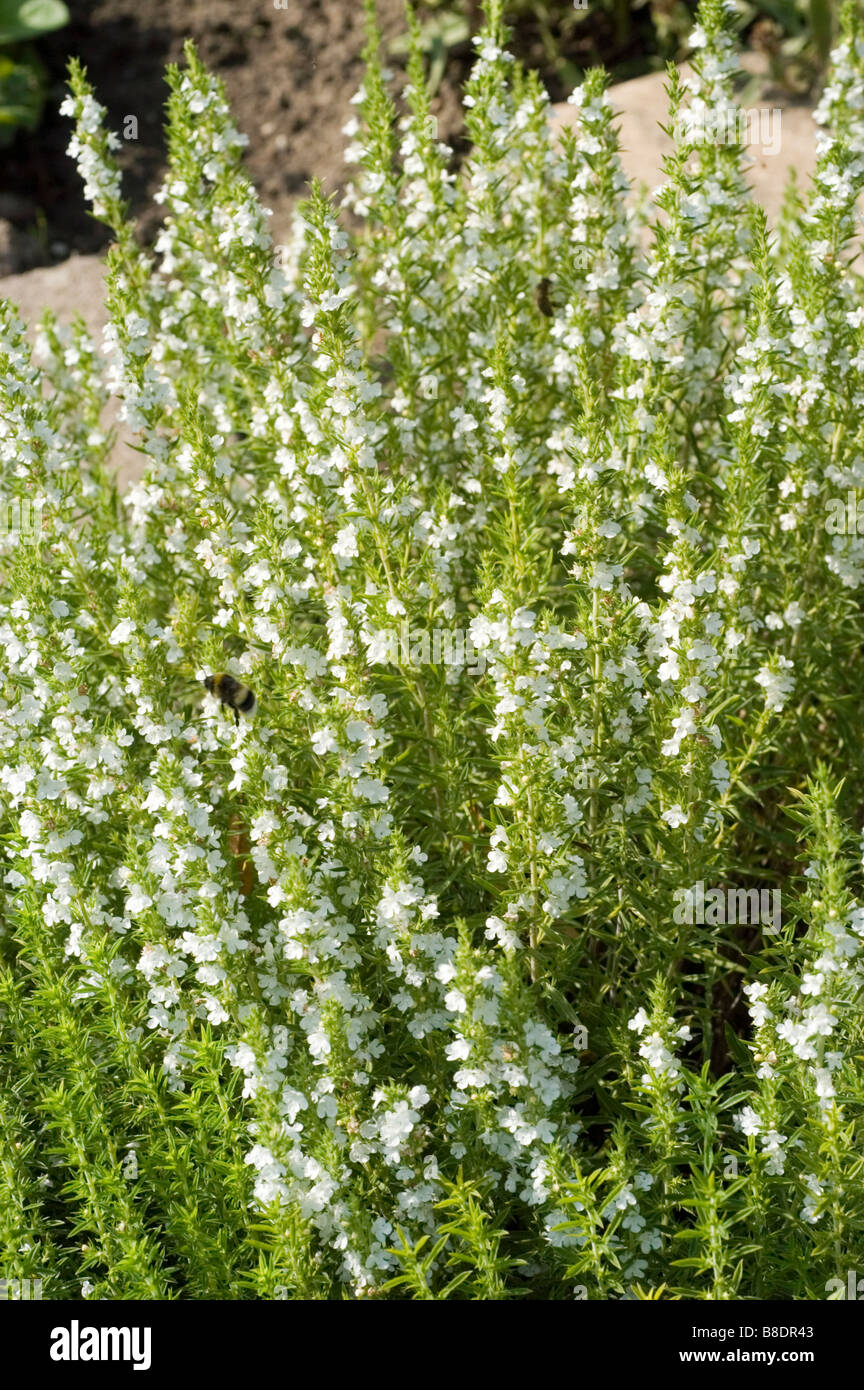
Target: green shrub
{"type": "Point", "coordinates": [512, 513]}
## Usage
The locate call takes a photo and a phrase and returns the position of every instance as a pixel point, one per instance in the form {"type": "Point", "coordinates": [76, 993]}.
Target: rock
{"type": "Point", "coordinates": [74, 287]}
{"type": "Point", "coordinates": [8, 258]}
{"type": "Point", "coordinates": [77, 286]}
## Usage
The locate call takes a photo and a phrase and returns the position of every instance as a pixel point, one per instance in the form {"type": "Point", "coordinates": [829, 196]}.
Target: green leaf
{"type": "Point", "coordinates": [27, 19]}
{"type": "Point", "coordinates": [22, 93]}
{"type": "Point", "coordinates": [446, 30]}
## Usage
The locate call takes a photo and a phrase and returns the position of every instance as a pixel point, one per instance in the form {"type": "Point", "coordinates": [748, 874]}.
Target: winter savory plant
{"type": "Point", "coordinates": [504, 496]}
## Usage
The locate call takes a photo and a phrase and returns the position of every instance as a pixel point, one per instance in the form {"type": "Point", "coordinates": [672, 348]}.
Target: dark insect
{"type": "Point", "coordinates": [237, 697]}
{"type": "Point", "coordinates": [543, 297]}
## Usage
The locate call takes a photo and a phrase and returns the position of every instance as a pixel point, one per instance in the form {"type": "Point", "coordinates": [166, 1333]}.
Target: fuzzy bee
{"type": "Point", "coordinates": [237, 697]}
{"type": "Point", "coordinates": [543, 297]}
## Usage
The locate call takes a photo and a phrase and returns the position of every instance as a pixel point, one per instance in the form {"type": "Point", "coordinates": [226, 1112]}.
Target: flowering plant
{"type": "Point", "coordinates": [381, 990]}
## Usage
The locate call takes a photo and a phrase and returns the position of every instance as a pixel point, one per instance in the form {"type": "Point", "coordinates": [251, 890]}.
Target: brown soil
{"type": "Point", "coordinates": [290, 73]}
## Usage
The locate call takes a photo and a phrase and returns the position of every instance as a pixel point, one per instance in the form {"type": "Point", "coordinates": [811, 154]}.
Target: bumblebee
{"type": "Point", "coordinates": [543, 298]}
{"type": "Point", "coordinates": [235, 696]}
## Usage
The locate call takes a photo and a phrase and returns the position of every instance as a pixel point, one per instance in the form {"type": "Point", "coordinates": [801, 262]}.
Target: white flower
{"type": "Point", "coordinates": [748, 1121]}
{"type": "Point", "coordinates": [121, 633]}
